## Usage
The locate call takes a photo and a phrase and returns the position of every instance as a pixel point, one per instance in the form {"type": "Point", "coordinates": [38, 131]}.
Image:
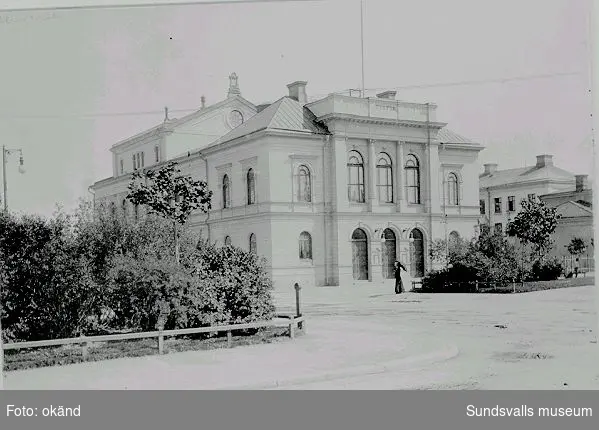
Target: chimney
{"type": "Point", "coordinates": [490, 168]}
{"type": "Point", "coordinates": [544, 160]}
{"type": "Point", "coordinates": [582, 183]}
{"type": "Point", "coordinates": [389, 95]}
{"type": "Point", "coordinates": [297, 91]}
{"type": "Point", "coordinates": [203, 101]}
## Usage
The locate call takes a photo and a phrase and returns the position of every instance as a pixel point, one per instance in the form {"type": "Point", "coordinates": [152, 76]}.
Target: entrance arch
{"type": "Point", "coordinates": [389, 254]}
{"type": "Point", "coordinates": [416, 254]}
{"type": "Point", "coordinates": [359, 244]}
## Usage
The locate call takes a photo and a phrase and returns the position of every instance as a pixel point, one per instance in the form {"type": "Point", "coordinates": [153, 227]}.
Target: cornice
{"type": "Point", "coordinates": [381, 121]}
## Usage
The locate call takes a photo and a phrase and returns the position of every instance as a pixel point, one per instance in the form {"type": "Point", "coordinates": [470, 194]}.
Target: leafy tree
{"type": "Point", "coordinates": [168, 194]}
{"type": "Point", "coordinates": [576, 246]}
{"type": "Point", "coordinates": [534, 225]}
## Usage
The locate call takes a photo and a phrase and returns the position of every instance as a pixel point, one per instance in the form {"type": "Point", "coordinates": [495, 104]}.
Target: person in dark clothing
{"type": "Point", "coordinates": [398, 283]}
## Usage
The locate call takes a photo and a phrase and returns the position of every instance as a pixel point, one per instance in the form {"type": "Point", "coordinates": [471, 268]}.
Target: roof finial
{"type": "Point", "coordinates": [203, 101]}
{"type": "Point", "coordinates": [165, 113]}
{"type": "Point", "coordinates": [233, 85]}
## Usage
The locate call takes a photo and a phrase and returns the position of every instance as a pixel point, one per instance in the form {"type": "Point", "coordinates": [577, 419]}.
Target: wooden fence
{"type": "Point", "coordinates": [293, 322]}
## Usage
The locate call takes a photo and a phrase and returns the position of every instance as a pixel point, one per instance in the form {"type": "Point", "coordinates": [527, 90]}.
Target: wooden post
{"type": "Point", "coordinates": [85, 349]}
{"type": "Point", "coordinates": [229, 339]}
{"type": "Point", "coordinates": [160, 340]}
{"type": "Point", "coordinates": [298, 310]}
{"type": "Point", "coordinates": [292, 328]}
{"type": "Point", "coordinates": [476, 286]}
{"type": "Point", "coordinates": [514, 286]}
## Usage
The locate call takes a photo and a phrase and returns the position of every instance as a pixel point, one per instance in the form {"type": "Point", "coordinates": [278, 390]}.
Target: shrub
{"type": "Point", "coordinates": [248, 293]}
{"type": "Point", "coordinates": [546, 271]}
{"type": "Point", "coordinates": [48, 289]}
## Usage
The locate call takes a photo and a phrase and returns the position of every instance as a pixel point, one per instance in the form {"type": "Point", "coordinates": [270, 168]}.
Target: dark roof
{"type": "Point", "coordinates": [284, 114]}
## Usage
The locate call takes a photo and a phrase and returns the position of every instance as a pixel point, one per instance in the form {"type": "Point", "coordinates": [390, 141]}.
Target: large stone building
{"type": "Point", "coordinates": [502, 191]}
{"type": "Point", "coordinates": [330, 191]}
{"type": "Point", "coordinates": [575, 207]}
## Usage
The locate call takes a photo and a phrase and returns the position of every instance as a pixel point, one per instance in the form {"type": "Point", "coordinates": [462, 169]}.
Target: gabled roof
{"type": "Point", "coordinates": [177, 122]}
{"type": "Point", "coordinates": [523, 174]}
{"type": "Point", "coordinates": [573, 209]}
{"type": "Point", "coordinates": [284, 114]}
{"type": "Point", "coordinates": [447, 136]}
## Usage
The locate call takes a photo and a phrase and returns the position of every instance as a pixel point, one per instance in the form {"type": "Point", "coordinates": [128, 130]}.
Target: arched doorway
{"type": "Point", "coordinates": [389, 254]}
{"type": "Point", "coordinates": [416, 254]}
{"type": "Point", "coordinates": [359, 244]}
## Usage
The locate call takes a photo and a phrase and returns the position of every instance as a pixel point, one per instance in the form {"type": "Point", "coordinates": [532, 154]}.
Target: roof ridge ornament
{"type": "Point", "coordinates": [233, 85]}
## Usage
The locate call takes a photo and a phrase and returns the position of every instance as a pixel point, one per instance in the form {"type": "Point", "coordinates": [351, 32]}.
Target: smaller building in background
{"type": "Point", "coordinates": [576, 209]}
{"type": "Point", "coordinates": [502, 191]}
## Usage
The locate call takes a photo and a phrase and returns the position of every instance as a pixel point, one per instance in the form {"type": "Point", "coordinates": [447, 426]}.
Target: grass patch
{"type": "Point", "coordinates": [529, 287]}
{"type": "Point", "coordinates": [71, 354]}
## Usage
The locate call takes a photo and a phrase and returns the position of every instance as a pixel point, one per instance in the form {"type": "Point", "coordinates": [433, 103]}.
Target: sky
{"type": "Point", "coordinates": [73, 83]}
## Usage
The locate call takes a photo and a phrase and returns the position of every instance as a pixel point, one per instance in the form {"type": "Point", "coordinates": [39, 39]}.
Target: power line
{"type": "Point", "coordinates": [419, 86]}
{"type": "Point", "coordinates": [137, 5]}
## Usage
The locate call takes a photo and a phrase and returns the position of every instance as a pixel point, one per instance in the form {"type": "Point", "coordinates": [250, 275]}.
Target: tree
{"type": "Point", "coordinates": [168, 194]}
{"type": "Point", "coordinates": [576, 246]}
{"type": "Point", "coordinates": [534, 225]}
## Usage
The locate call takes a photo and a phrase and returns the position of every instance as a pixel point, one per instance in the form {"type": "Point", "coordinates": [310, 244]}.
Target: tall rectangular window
{"type": "Point", "coordinates": [122, 163]}
{"type": "Point", "coordinates": [511, 203]}
{"type": "Point", "coordinates": [483, 209]}
{"type": "Point", "coordinates": [498, 228]}
{"type": "Point", "coordinates": [497, 205]}
{"type": "Point", "coordinates": [157, 153]}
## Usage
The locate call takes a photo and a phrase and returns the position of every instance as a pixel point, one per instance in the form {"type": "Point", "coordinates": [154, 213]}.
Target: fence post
{"type": "Point", "coordinates": [160, 339]}
{"type": "Point", "coordinates": [229, 339]}
{"type": "Point", "coordinates": [292, 328]}
{"type": "Point", "coordinates": [514, 286]}
{"type": "Point", "coordinates": [476, 286]}
{"type": "Point", "coordinates": [298, 310]}
{"type": "Point", "coordinates": [84, 348]}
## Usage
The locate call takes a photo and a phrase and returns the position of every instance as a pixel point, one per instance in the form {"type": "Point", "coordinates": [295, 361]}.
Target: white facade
{"type": "Point", "coordinates": [316, 186]}
{"type": "Point", "coordinates": [502, 191]}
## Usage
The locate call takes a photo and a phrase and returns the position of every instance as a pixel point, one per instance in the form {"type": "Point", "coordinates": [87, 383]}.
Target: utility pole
{"type": "Point", "coordinates": [362, 42]}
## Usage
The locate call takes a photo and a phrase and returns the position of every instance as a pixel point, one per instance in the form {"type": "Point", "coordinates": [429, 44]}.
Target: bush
{"type": "Point", "coordinates": [48, 289]}
{"type": "Point", "coordinates": [99, 272]}
{"type": "Point", "coordinates": [248, 293]}
{"type": "Point", "coordinates": [546, 271]}
{"type": "Point", "coordinates": [490, 259]}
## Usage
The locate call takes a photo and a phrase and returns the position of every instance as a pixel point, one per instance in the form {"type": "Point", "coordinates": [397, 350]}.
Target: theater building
{"type": "Point", "coordinates": [329, 191]}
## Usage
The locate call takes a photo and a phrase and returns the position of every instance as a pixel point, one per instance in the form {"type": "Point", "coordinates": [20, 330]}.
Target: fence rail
{"type": "Point", "coordinates": [293, 322]}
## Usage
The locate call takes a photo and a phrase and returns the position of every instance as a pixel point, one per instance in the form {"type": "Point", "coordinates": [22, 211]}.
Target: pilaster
{"type": "Point", "coordinates": [372, 198]}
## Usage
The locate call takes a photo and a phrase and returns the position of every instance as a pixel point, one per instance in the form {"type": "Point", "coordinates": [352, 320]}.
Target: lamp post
{"type": "Point", "coordinates": [5, 153]}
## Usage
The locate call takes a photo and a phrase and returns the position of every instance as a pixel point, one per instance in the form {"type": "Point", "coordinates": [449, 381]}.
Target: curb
{"type": "Point", "coordinates": [428, 358]}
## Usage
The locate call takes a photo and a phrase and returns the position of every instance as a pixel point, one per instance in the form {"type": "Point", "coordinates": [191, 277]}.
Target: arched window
{"type": "Point", "coordinates": [227, 240]}
{"type": "Point", "coordinates": [226, 192]}
{"type": "Point", "coordinates": [453, 197]}
{"type": "Point", "coordinates": [251, 184]}
{"type": "Point", "coordinates": [253, 247]}
{"type": "Point", "coordinates": [384, 169]}
{"type": "Point", "coordinates": [413, 179]}
{"type": "Point", "coordinates": [305, 246]}
{"type": "Point", "coordinates": [360, 254]}
{"type": "Point", "coordinates": [355, 184]}
{"type": "Point", "coordinates": [304, 189]}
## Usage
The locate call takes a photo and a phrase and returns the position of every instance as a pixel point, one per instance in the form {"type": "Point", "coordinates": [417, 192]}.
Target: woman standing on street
{"type": "Point", "coordinates": [398, 283]}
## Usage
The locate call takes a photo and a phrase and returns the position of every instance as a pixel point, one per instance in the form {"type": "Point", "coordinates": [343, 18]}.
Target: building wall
{"type": "Point", "coordinates": [569, 228]}
{"type": "Point", "coordinates": [520, 192]}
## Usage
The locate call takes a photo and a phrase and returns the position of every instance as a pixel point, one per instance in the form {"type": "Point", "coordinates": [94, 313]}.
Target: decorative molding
{"type": "Point", "coordinates": [224, 167]}
{"type": "Point", "coordinates": [303, 157]}
{"type": "Point", "coordinates": [381, 121]}
{"type": "Point", "coordinates": [452, 165]}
